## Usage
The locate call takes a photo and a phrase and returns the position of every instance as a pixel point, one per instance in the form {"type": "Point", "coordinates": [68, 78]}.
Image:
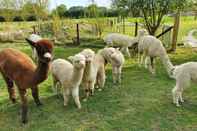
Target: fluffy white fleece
{"type": "Point", "coordinates": [94, 73]}
{"type": "Point", "coordinates": [184, 75]}
{"type": "Point", "coordinates": [123, 41]}
{"type": "Point", "coordinates": [150, 47]}
{"type": "Point", "coordinates": [69, 75]}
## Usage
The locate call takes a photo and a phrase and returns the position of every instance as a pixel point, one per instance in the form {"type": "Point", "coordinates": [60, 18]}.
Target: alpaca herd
{"type": "Point", "coordinates": [86, 69]}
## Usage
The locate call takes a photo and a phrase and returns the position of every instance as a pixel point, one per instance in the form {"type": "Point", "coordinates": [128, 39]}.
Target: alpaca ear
{"type": "Point", "coordinates": [31, 42]}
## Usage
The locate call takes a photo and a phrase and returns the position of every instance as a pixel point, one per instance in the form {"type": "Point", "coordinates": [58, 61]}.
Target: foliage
{"type": "Point", "coordinates": [17, 18]}
{"type": "Point", "coordinates": [2, 19]}
{"type": "Point", "coordinates": [152, 11]}
{"type": "Point", "coordinates": [60, 10]}
{"type": "Point", "coordinates": [76, 12]}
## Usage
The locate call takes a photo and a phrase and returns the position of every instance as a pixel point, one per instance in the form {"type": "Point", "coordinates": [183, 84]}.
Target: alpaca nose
{"type": "Point", "coordinates": [48, 55]}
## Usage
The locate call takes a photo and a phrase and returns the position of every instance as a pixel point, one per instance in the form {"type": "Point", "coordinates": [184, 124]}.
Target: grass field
{"type": "Point", "coordinates": [141, 102]}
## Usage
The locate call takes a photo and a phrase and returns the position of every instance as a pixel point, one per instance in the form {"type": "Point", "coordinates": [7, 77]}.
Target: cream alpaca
{"type": "Point", "coordinates": [184, 75]}
{"type": "Point", "coordinates": [69, 75]}
{"type": "Point", "coordinates": [151, 47]}
{"type": "Point", "coordinates": [123, 41]}
{"type": "Point", "coordinates": [116, 59]}
{"type": "Point", "coordinates": [94, 73]}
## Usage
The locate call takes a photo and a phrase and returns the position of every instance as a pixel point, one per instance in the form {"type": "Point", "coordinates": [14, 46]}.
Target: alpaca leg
{"type": "Point", "coordinates": [54, 84]}
{"type": "Point", "coordinates": [66, 93]}
{"type": "Point", "coordinates": [11, 90]}
{"type": "Point", "coordinates": [142, 59]}
{"type": "Point", "coordinates": [119, 74]}
{"type": "Point", "coordinates": [75, 94]}
{"type": "Point", "coordinates": [35, 94]}
{"type": "Point", "coordinates": [181, 97]}
{"type": "Point", "coordinates": [127, 52]}
{"type": "Point", "coordinates": [175, 94]}
{"type": "Point", "coordinates": [23, 96]}
{"type": "Point", "coordinates": [152, 69]}
{"type": "Point", "coordinates": [146, 63]}
{"type": "Point", "coordinates": [114, 74]}
{"type": "Point", "coordinates": [138, 58]}
{"type": "Point", "coordinates": [102, 78]}
{"type": "Point", "coordinates": [85, 85]}
{"type": "Point", "coordinates": [102, 82]}
{"type": "Point", "coordinates": [91, 85]}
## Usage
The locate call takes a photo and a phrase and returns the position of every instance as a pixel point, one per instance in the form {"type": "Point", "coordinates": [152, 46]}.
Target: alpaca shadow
{"type": "Point", "coordinates": [190, 106]}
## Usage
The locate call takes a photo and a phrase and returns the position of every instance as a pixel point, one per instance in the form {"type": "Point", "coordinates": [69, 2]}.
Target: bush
{"type": "Point", "coordinates": [2, 19]}
{"type": "Point", "coordinates": [31, 18]}
{"type": "Point", "coordinates": [18, 18]}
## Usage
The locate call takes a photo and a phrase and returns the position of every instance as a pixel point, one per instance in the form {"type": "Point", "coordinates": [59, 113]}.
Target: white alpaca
{"type": "Point", "coordinates": [122, 41]}
{"type": "Point", "coordinates": [149, 47]}
{"type": "Point", "coordinates": [6, 37]}
{"type": "Point", "coordinates": [184, 75]}
{"type": "Point", "coordinates": [94, 74]}
{"type": "Point", "coordinates": [116, 59]}
{"type": "Point", "coordinates": [69, 75]}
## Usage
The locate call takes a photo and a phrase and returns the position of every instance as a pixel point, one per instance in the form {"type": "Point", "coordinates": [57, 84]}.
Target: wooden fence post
{"type": "Point", "coordinates": [175, 30]}
{"type": "Point", "coordinates": [123, 20]}
{"type": "Point", "coordinates": [78, 37]}
{"type": "Point", "coordinates": [34, 30]}
{"type": "Point", "coordinates": [136, 28]}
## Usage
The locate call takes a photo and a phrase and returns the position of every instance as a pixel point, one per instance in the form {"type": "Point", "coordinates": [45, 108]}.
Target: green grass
{"type": "Point", "coordinates": [141, 102]}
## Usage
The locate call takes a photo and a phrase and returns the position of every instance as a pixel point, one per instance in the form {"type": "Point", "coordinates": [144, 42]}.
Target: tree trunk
{"type": "Point", "coordinates": [175, 30]}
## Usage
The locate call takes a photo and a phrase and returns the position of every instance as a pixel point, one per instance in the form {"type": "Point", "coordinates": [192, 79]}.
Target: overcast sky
{"type": "Point", "coordinates": [69, 3]}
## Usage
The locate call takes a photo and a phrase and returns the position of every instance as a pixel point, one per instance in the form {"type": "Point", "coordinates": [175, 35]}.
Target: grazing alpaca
{"type": "Point", "coordinates": [16, 67]}
{"type": "Point", "coordinates": [119, 40]}
{"type": "Point", "coordinates": [150, 47]}
{"type": "Point", "coordinates": [184, 75]}
{"type": "Point", "coordinates": [116, 59]}
{"type": "Point", "coordinates": [69, 76]}
{"type": "Point", "coordinates": [123, 41]}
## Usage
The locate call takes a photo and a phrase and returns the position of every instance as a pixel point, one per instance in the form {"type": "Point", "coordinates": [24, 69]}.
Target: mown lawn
{"type": "Point", "coordinates": [141, 102]}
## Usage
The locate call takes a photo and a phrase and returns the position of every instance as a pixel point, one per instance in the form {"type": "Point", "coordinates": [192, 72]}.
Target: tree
{"type": "Point", "coordinates": [60, 10]}
{"type": "Point", "coordinates": [7, 7]}
{"type": "Point", "coordinates": [152, 11]}
{"type": "Point", "coordinates": [76, 11]}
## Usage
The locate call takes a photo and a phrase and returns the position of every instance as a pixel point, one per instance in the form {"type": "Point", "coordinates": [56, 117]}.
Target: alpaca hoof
{"type": "Point", "coordinates": [39, 104]}
{"type": "Point", "coordinates": [24, 121]}
{"type": "Point", "coordinates": [99, 89]}
{"type": "Point", "coordinates": [182, 101]}
{"type": "Point", "coordinates": [85, 99]}
{"type": "Point", "coordinates": [178, 105]}
{"type": "Point", "coordinates": [79, 107]}
{"type": "Point", "coordinates": [13, 100]}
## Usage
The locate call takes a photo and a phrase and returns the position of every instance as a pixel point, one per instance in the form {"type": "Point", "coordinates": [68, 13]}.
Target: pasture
{"type": "Point", "coordinates": [141, 102]}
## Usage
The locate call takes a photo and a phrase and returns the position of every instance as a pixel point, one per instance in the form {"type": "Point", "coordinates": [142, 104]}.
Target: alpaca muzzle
{"type": "Point", "coordinates": [48, 55]}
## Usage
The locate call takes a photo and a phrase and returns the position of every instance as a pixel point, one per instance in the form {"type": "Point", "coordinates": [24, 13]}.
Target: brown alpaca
{"type": "Point", "coordinates": [16, 67]}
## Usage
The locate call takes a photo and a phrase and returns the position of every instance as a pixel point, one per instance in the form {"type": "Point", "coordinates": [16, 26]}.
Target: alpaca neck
{"type": "Point", "coordinates": [41, 72]}
{"type": "Point", "coordinates": [77, 75]}
{"type": "Point", "coordinates": [167, 64]}
{"type": "Point", "coordinates": [88, 69]}
{"type": "Point", "coordinates": [106, 58]}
